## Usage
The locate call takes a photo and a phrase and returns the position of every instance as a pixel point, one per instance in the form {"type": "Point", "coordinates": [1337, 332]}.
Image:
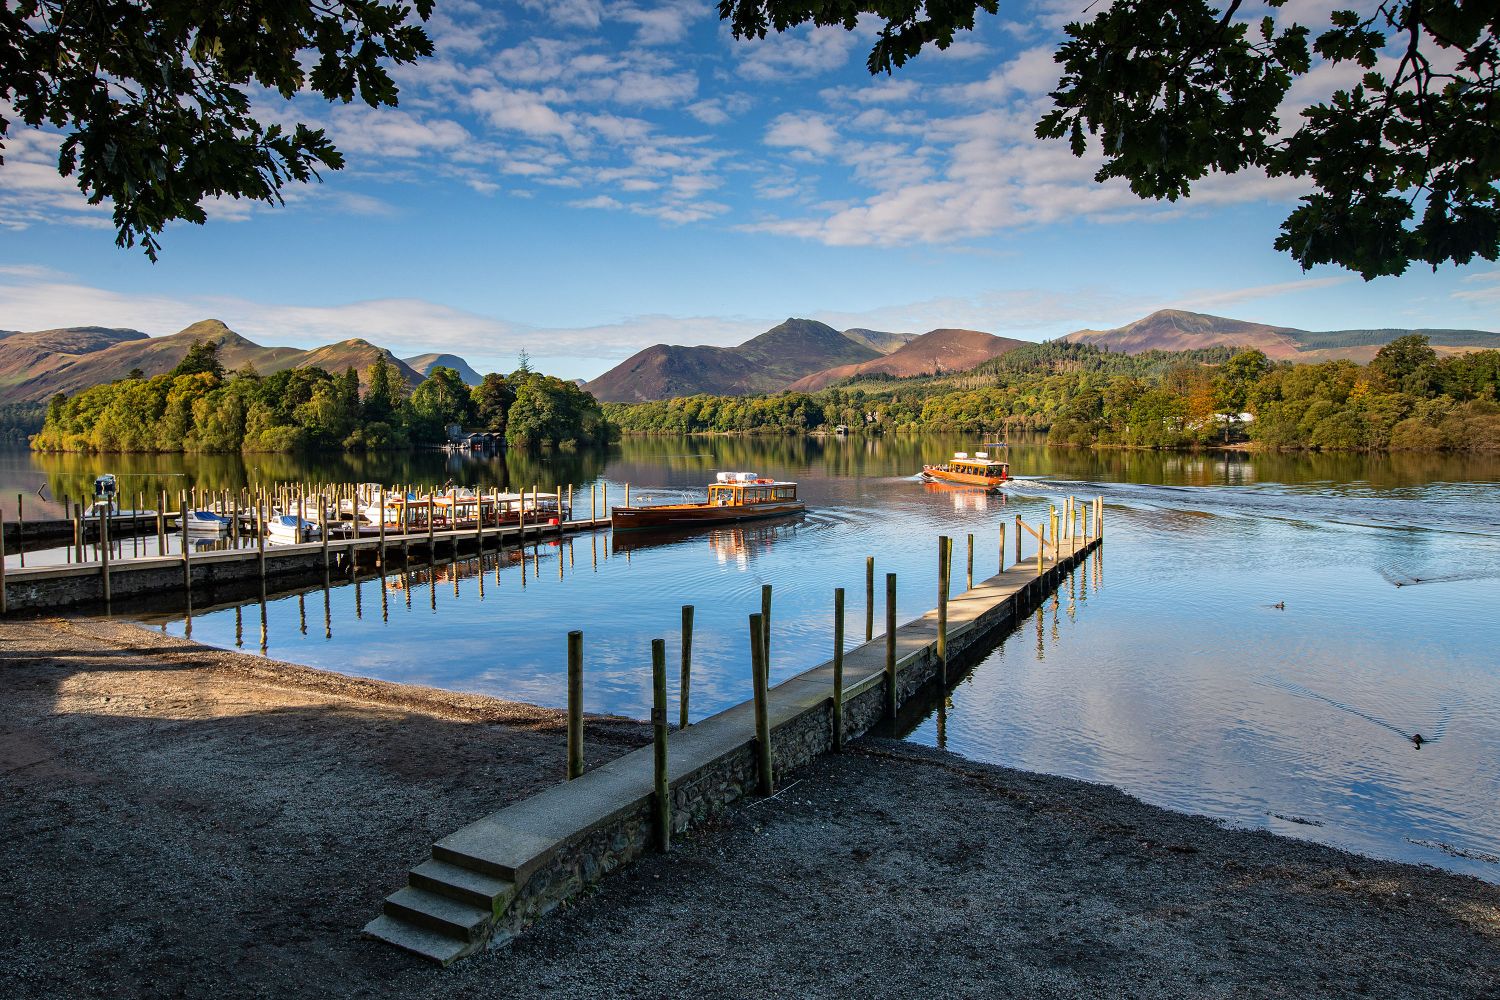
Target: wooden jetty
{"type": "Point", "coordinates": [486, 882]}
{"type": "Point", "coordinates": [107, 579]}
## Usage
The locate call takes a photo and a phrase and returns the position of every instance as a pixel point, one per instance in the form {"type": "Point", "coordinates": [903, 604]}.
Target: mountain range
{"type": "Point", "coordinates": [932, 353]}
{"type": "Point", "coordinates": [34, 366]}
{"type": "Point", "coordinates": [798, 354]}
{"type": "Point", "coordinates": [1176, 330]}
{"type": "Point", "coordinates": [767, 363]}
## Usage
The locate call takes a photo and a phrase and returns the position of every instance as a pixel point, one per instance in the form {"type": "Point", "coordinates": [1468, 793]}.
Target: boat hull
{"type": "Point", "coordinates": [678, 516]}
{"type": "Point", "coordinates": [934, 475]}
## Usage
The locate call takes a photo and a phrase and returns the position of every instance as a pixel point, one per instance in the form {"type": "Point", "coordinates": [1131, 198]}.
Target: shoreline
{"type": "Point", "coordinates": [198, 821]}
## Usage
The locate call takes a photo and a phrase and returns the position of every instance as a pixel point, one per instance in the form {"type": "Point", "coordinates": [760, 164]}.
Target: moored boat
{"type": "Point", "coordinates": [733, 497]}
{"type": "Point", "coordinates": [204, 522]}
{"type": "Point", "coordinates": [963, 470]}
{"type": "Point", "coordinates": [290, 528]}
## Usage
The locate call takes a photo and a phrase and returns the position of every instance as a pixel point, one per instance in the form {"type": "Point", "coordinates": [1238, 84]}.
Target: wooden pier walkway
{"type": "Point", "coordinates": [99, 582]}
{"type": "Point", "coordinates": [485, 883]}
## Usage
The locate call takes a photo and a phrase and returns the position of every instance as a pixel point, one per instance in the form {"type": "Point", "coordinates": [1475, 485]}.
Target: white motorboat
{"type": "Point", "coordinates": [290, 528]}
{"type": "Point", "coordinates": [205, 522]}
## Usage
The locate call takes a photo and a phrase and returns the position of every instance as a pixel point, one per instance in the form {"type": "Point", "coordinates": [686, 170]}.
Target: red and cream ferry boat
{"type": "Point", "coordinates": [733, 497]}
{"type": "Point", "coordinates": [961, 470]}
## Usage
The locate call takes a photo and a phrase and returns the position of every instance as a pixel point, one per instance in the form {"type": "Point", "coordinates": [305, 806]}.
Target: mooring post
{"type": "Point", "coordinates": [323, 529]}
{"type": "Point", "coordinates": [187, 569]}
{"type": "Point", "coordinates": [1018, 539]}
{"type": "Point", "coordinates": [687, 665]}
{"type": "Point", "coordinates": [20, 528]}
{"type": "Point", "coordinates": [765, 623]}
{"type": "Point", "coordinates": [1041, 548]}
{"type": "Point", "coordinates": [3, 605]}
{"type": "Point", "coordinates": [838, 668]}
{"type": "Point", "coordinates": [1099, 517]}
{"type": "Point", "coordinates": [1002, 547]}
{"type": "Point", "coordinates": [380, 513]}
{"type": "Point", "coordinates": [969, 577]}
{"type": "Point", "coordinates": [663, 794]}
{"type": "Point", "coordinates": [604, 503]}
{"type": "Point", "coordinates": [78, 533]}
{"type": "Point", "coordinates": [575, 704]}
{"type": "Point", "coordinates": [758, 674]}
{"type": "Point", "coordinates": [869, 598]}
{"type": "Point", "coordinates": [593, 503]}
{"type": "Point", "coordinates": [260, 533]}
{"type": "Point", "coordinates": [944, 548]}
{"type": "Point", "coordinates": [1052, 522]}
{"type": "Point", "coordinates": [104, 556]}
{"type": "Point", "coordinates": [627, 494]}
{"type": "Point", "coordinates": [890, 644]}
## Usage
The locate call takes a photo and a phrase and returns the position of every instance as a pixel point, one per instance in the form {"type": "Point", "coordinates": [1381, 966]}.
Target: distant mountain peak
{"type": "Point", "coordinates": [1180, 330]}
{"type": "Point", "coordinates": [765, 363]}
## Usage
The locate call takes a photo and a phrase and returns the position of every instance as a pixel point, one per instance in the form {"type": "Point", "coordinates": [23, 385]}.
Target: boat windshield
{"type": "Point", "coordinates": [725, 494]}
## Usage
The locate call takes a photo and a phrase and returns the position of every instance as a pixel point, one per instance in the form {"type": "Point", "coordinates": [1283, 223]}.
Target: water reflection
{"type": "Point", "coordinates": [1274, 631]}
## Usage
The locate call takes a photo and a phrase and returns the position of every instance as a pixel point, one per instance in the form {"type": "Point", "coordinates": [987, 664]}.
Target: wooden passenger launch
{"type": "Point", "coordinates": [961, 470]}
{"type": "Point", "coordinates": [733, 497]}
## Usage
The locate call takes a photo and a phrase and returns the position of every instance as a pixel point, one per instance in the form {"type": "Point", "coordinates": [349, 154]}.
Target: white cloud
{"type": "Point", "coordinates": [798, 52]}
{"type": "Point", "coordinates": [812, 133]}
{"type": "Point", "coordinates": [1483, 288]}
{"type": "Point", "coordinates": [569, 13]}
{"type": "Point", "coordinates": [665, 24]}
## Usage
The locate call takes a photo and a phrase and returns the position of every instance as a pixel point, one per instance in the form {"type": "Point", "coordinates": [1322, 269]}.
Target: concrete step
{"type": "Point", "coordinates": [419, 941]}
{"type": "Point", "coordinates": [463, 884]}
{"type": "Point", "coordinates": [460, 921]}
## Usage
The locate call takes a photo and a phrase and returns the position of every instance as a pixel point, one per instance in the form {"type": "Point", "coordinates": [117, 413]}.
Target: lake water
{"type": "Point", "coordinates": [1260, 640]}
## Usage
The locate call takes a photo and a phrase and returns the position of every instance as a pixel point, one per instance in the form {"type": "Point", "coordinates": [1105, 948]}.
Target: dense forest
{"type": "Point", "coordinates": [1406, 398]}
{"type": "Point", "coordinates": [199, 407]}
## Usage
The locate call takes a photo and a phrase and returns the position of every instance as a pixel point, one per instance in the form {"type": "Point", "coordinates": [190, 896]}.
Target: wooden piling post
{"type": "Point", "coordinates": [104, 556]}
{"type": "Point", "coordinates": [575, 704]}
{"type": "Point", "coordinates": [161, 522]}
{"type": "Point", "coordinates": [1056, 542]}
{"type": "Point", "coordinates": [945, 547]}
{"type": "Point", "coordinates": [838, 668]}
{"type": "Point", "coordinates": [765, 623]}
{"type": "Point", "coordinates": [869, 598]}
{"type": "Point", "coordinates": [969, 576]}
{"type": "Point", "coordinates": [627, 494]}
{"type": "Point", "coordinates": [260, 533]}
{"type": "Point", "coordinates": [1002, 547]}
{"type": "Point", "coordinates": [4, 606]}
{"type": "Point", "coordinates": [1041, 549]}
{"type": "Point", "coordinates": [662, 800]}
{"type": "Point", "coordinates": [687, 666]}
{"type": "Point", "coordinates": [593, 503]}
{"type": "Point", "coordinates": [1017, 560]}
{"type": "Point", "coordinates": [323, 528]}
{"type": "Point", "coordinates": [187, 569]}
{"type": "Point", "coordinates": [20, 528]}
{"type": "Point", "coordinates": [890, 645]}
{"type": "Point", "coordinates": [762, 710]}
{"type": "Point", "coordinates": [380, 513]}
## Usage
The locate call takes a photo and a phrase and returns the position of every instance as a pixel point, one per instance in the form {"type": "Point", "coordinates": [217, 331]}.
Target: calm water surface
{"type": "Point", "coordinates": [1164, 668]}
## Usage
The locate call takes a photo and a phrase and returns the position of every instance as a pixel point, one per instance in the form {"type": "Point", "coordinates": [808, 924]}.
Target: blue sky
{"type": "Point", "coordinates": [583, 178]}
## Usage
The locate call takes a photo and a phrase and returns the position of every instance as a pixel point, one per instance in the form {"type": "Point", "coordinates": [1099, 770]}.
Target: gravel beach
{"type": "Point", "coordinates": [182, 821]}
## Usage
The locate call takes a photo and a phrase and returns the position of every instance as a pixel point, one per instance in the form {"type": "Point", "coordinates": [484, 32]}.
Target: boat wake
{"type": "Point", "coordinates": [1449, 507]}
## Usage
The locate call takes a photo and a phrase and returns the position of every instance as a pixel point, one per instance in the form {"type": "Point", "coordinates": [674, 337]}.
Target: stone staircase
{"type": "Point", "coordinates": [444, 912]}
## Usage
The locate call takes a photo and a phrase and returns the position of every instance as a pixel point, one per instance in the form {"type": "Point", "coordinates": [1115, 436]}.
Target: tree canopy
{"type": "Point", "coordinates": [155, 95]}
{"type": "Point", "coordinates": [1403, 163]}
